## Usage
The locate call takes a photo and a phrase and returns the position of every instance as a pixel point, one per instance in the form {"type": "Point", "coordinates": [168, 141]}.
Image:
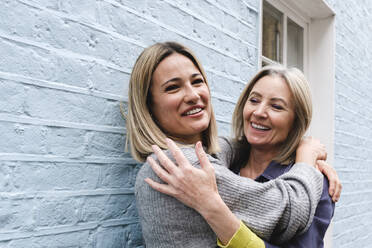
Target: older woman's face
{"type": "Point", "coordinates": [180, 99]}
{"type": "Point", "coordinates": [268, 113]}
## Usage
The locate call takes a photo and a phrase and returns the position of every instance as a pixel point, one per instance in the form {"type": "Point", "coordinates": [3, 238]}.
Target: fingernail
{"type": "Point", "coordinates": [154, 147]}
{"type": "Point", "coordinates": [200, 146]}
{"type": "Point", "coordinates": [168, 141]}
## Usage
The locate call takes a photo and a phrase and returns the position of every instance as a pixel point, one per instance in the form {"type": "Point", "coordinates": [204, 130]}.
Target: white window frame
{"type": "Point", "coordinates": [319, 66]}
{"type": "Point", "coordinates": [302, 21]}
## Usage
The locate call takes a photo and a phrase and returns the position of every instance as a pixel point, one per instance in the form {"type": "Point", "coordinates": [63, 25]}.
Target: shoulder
{"type": "Point", "coordinates": [224, 142]}
{"type": "Point", "coordinates": [326, 206]}
{"type": "Point", "coordinates": [227, 151]}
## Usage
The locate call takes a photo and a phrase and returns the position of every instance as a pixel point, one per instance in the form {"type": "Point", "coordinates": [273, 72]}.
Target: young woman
{"type": "Point", "coordinates": [169, 97]}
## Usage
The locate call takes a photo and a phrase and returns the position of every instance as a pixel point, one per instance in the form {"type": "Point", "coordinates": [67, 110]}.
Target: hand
{"type": "Point", "coordinates": [335, 186]}
{"type": "Point", "coordinates": [310, 150]}
{"type": "Point", "coordinates": [194, 187]}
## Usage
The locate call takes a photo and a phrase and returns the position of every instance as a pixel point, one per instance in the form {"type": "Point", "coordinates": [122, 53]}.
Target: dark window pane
{"type": "Point", "coordinates": [272, 33]}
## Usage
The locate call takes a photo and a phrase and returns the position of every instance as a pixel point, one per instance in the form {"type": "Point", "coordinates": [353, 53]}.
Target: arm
{"type": "Point", "coordinates": [308, 150]}
{"type": "Point", "coordinates": [314, 236]}
{"type": "Point", "coordinates": [285, 205]}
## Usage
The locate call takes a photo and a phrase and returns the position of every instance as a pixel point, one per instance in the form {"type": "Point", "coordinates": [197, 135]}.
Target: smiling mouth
{"type": "Point", "coordinates": [192, 111]}
{"type": "Point", "coordinates": [259, 127]}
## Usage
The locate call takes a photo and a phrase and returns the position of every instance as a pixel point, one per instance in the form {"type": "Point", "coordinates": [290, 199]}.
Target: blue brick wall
{"type": "Point", "coordinates": [65, 180]}
{"type": "Point", "coordinates": [353, 118]}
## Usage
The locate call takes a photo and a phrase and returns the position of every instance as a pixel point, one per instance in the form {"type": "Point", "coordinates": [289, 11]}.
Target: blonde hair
{"type": "Point", "coordinates": [300, 90]}
{"type": "Point", "coordinates": [142, 130]}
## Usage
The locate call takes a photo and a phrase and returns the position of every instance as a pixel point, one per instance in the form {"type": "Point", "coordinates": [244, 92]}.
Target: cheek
{"type": "Point", "coordinates": [246, 112]}
{"type": "Point", "coordinates": [204, 93]}
{"type": "Point", "coordinates": [162, 111]}
{"type": "Point", "coordinates": [286, 123]}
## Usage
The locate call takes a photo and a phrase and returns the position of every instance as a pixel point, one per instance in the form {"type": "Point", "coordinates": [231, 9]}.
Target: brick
{"type": "Point", "coordinates": [112, 176]}
{"type": "Point", "coordinates": [219, 83]}
{"type": "Point", "coordinates": [106, 144]}
{"type": "Point", "coordinates": [58, 211]}
{"type": "Point", "coordinates": [99, 208]}
{"type": "Point", "coordinates": [72, 107]}
{"type": "Point", "coordinates": [51, 176]}
{"type": "Point", "coordinates": [127, 236]}
{"type": "Point", "coordinates": [175, 17]}
{"type": "Point", "coordinates": [22, 138]}
{"type": "Point", "coordinates": [213, 15]}
{"type": "Point", "coordinates": [64, 240]}
{"type": "Point", "coordinates": [16, 214]}
{"type": "Point", "coordinates": [13, 95]}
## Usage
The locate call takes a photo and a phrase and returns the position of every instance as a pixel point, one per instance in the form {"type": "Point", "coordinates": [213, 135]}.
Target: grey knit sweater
{"type": "Point", "coordinates": [285, 205]}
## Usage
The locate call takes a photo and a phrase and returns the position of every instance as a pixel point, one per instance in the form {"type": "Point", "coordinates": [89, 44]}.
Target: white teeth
{"type": "Point", "coordinates": [193, 111]}
{"type": "Point", "coordinates": [259, 127]}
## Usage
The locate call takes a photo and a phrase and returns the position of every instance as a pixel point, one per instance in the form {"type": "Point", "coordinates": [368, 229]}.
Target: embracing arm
{"type": "Point", "coordinates": [314, 236]}
{"type": "Point", "coordinates": [285, 205]}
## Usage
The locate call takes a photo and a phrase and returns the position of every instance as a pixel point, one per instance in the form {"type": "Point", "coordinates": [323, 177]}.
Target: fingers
{"type": "Point", "coordinates": [163, 188]}
{"type": "Point", "coordinates": [203, 159]}
{"type": "Point", "coordinates": [164, 160]}
{"type": "Point", "coordinates": [162, 174]}
{"type": "Point", "coordinates": [177, 153]}
{"type": "Point", "coordinates": [335, 186]}
{"type": "Point", "coordinates": [337, 194]}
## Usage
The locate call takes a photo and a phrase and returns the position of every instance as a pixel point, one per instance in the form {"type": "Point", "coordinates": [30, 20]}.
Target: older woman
{"type": "Point", "coordinates": [272, 114]}
{"type": "Point", "coordinates": [169, 97]}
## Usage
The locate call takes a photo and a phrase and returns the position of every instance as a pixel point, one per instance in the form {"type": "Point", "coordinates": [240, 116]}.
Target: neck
{"type": "Point", "coordinates": [257, 163]}
{"type": "Point", "coordinates": [186, 140]}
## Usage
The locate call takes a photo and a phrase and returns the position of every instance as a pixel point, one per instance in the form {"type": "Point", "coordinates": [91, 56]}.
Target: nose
{"type": "Point", "coordinates": [260, 111]}
{"type": "Point", "coordinates": [191, 94]}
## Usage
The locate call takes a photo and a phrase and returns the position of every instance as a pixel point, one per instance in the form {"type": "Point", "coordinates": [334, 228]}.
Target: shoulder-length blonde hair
{"type": "Point", "coordinates": [300, 90]}
{"type": "Point", "coordinates": [142, 130]}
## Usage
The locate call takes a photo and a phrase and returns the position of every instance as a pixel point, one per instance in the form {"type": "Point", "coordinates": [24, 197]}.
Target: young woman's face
{"type": "Point", "coordinates": [268, 113]}
{"type": "Point", "coordinates": [180, 99]}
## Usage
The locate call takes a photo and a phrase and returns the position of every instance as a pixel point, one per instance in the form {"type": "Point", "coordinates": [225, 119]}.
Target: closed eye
{"type": "Point", "coordinates": [277, 106]}
{"type": "Point", "coordinates": [171, 87]}
{"type": "Point", "coordinates": [253, 100]}
{"type": "Point", "coordinates": [198, 81]}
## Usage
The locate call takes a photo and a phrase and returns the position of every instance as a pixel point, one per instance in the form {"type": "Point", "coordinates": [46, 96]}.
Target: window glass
{"type": "Point", "coordinates": [295, 44]}
{"type": "Point", "coordinates": [272, 35]}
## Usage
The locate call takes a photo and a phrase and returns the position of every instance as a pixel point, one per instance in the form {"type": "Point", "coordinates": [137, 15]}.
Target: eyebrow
{"type": "Point", "coordinates": [271, 99]}
{"type": "Point", "coordinates": [178, 79]}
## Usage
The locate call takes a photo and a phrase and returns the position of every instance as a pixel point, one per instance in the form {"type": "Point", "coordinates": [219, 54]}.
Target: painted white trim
{"type": "Point", "coordinates": [285, 39]}
{"type": "Point", "coordinates": [322, 81]}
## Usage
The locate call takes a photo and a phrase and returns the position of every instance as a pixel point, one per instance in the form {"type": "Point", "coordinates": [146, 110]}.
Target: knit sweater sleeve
{"type": "Point", "coordinates": [284, 206]}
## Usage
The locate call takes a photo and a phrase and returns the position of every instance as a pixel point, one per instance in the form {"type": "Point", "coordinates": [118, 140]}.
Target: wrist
{"type": "Point", "coordinates": [308, 158]}
{"type": "Point", "coordinates": [211, 206]}
{"type": "Point", "coordinates": [220, 218]}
